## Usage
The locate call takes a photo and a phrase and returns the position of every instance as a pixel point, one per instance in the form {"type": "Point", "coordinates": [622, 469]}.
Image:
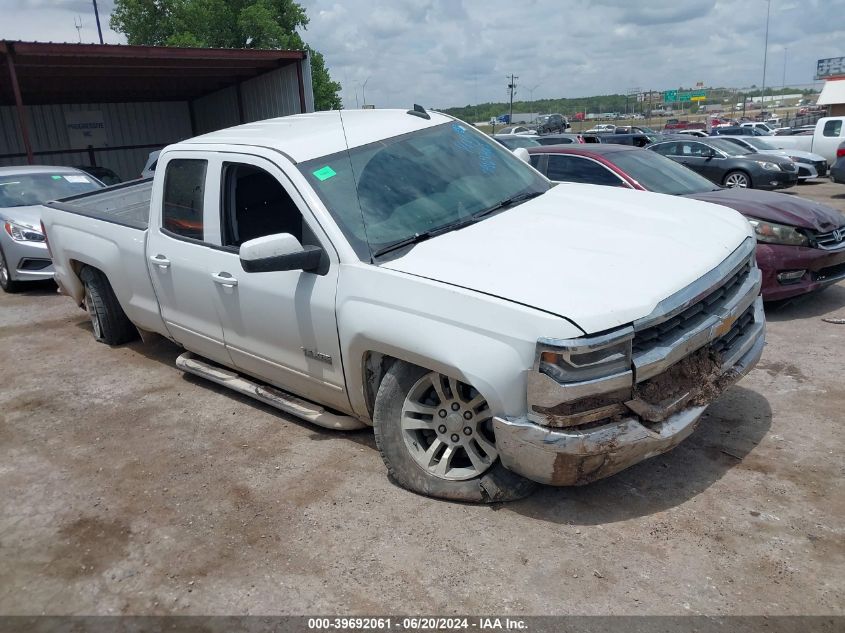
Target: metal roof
{"type": "Point", "coordinates": [107, 73]}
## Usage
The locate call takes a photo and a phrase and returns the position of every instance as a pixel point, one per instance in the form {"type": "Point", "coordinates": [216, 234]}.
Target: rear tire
{"type": "Point", "coordinates": [737, 179]}
{"type": "Point", "coordinates": [6, 282]}
{"type": "Point", "coordinates": [414, 451]}
{"type": "Point", "coordinates": [110, 323]}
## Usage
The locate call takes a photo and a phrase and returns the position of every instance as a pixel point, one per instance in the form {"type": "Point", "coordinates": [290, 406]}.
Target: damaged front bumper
{"type": "Point", "coordinates": [577, 432]}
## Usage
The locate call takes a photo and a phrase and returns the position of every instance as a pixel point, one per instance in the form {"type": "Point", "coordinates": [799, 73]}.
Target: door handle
{"type": "Point", "coordinates": [224, 279]}
{"type": "Point", "coordinates": [160, 260]}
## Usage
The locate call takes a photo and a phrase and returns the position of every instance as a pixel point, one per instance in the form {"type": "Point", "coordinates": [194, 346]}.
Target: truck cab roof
{"type": "Point", "coordinates": [303, 137]}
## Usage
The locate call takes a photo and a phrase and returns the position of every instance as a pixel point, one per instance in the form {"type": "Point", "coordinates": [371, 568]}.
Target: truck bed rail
{"type": "Point", "coordinates": [127, 204]}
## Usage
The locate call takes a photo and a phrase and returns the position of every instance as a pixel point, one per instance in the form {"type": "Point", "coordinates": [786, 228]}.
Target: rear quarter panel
{"type": "Point", "coordinates": [118, 251]}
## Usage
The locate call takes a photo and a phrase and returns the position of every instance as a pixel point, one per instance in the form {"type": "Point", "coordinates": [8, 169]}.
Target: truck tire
{"type": "Point", "coordinates": [435, 436]}
{"type": "Point", "coordinates": [6, 282]}
{"type": "Point", "coordinates": [110, 323]}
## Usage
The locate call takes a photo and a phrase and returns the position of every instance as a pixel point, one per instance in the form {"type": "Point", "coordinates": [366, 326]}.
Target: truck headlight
{"type": "Point", "coordinates": [577, 360]}
{"type": "Point", "coordinates": [770, 166]}
{"type": "Point", "coordinates": [21, 233]}
{"type": "Point", "coordinates": [772, 233]}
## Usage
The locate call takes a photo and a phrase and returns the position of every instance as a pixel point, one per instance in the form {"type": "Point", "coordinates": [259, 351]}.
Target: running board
{"type": "Point", "coordinates": [268, 395]}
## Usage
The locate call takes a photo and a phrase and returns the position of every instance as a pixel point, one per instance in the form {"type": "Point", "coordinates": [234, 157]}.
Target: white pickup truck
{"type": "Point", "coordinates": [403, 271]}
{"type": "Point", "coordinates": [829, 133]}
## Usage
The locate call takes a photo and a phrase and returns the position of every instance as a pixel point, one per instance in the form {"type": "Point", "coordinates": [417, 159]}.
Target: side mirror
{"type": "Point", "coordinates": [522, 154]}
{"type": "Point", "coordinates": [280, 252]}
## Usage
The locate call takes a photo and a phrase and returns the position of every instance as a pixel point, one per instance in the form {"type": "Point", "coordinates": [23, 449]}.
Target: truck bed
{"type": "Point", "coordinates": [107, 230]}
{"type": "Point", "coordinates": [127, 204]}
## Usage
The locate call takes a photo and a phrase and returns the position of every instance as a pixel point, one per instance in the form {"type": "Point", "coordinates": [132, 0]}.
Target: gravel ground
{"type": "Point", "coordinates": [129, 488]}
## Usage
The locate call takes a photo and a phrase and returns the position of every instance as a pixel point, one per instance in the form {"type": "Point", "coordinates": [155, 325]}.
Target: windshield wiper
{"type": "Point", "coordinates": [416, 238]}
{"type": "Point", "coordinates": [508, 202]}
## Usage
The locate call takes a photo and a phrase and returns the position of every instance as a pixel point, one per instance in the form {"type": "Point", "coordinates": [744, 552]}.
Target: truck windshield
{"type": "Point", "coordinates": [417, 184]}
{"type": "Point", "coordinates": [23, 190]}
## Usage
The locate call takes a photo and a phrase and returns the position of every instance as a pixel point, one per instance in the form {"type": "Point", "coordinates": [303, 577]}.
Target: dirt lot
{"type": "Point", "coordinates": [126, 487]}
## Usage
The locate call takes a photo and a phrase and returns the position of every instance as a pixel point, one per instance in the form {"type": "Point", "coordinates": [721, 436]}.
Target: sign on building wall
{"type": "Point", "coordinates": [86, 128]}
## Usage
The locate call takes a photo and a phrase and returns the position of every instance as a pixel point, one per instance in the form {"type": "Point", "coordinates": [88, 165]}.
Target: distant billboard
{"type": "Point", "coordinates": [830, 67]}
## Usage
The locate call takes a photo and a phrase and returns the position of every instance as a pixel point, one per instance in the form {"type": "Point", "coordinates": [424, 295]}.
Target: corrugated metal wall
{"type": "Point", "coordinates": [156, 123]}
{"type": "Point", "coordinates": [216, 111]}
{"type": "Point", "coordinates": [272, 94]}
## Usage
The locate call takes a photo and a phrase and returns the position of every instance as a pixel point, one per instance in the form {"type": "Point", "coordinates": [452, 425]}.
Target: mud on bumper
{"type": "Point", "coordinates": [693, 354]}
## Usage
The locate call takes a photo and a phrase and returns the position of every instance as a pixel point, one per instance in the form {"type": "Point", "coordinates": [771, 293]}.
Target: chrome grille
{"type": "Point", "coordinates": [669, 331]}
{"type": "Point", "coordinates": [833, 240]}
{"type": "Point", "coordinates": [723, 344]}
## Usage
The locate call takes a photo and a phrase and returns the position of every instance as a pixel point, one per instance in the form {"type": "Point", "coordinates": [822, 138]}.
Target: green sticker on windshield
{"type": "Point", "coordinates": [324, 173]}
{"type": "Point", "coordinates": [56, 177]}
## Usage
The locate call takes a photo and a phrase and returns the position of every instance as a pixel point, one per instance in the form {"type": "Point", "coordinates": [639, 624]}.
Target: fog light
{"type": "Point", "coordinates": [790, 276]}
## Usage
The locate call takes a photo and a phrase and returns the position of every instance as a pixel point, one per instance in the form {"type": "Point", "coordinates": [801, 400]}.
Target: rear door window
{"type": "Point", "coordinates": [576, 169]}
{"type": "Point", "coordinates": [832, 128]}
{"type": "Point", "coordinates": [184, 189]}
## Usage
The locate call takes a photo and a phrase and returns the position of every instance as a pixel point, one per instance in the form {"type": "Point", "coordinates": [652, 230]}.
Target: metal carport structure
{"type": "Point", "coordinates": [110, 105]}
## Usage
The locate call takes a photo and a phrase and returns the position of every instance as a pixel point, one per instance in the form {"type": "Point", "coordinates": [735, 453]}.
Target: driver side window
{"type": "Point", "coordinates": [256, 204]}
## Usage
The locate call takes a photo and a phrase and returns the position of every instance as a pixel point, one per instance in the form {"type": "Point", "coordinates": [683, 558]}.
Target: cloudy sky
{"type": "Point", "coordinates": [455, 52]}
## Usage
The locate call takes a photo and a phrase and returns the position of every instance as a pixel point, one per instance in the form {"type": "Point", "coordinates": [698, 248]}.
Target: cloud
{"type": "Point", "coordinates": [444, 53]}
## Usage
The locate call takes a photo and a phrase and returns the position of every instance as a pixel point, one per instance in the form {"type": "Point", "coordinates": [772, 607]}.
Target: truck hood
{"type": "Point", "coordinates": [28, 216]}
{"type": "Point", "coordinates": [776, 207]}
{"type": "Point", "coordinates": [598, 256]}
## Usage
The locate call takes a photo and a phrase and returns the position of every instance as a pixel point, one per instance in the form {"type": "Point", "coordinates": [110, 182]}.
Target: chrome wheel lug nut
{"type": "Point", "coordinates": [442, 428]}
{"type": "Point", "coordinates": [455, 437]}
{"type": "Point", "coordinates": [442, 413]}
{"type": "Point", "coordinates": [467, 415]}
{"type": "Point", "coordinates": [467, 430]}
{"type": "Point", "coordinates": [455, 406]}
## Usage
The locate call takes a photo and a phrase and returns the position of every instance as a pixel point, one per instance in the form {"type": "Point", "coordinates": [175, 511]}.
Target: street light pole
{"type": "Point", "coordinates": [765, 56]}
{"type": "Point", "coordinates": [363, 91]}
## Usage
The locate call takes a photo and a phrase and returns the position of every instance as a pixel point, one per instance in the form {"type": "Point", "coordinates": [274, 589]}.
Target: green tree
{"type": "Point", "coordinates": [263, 24]}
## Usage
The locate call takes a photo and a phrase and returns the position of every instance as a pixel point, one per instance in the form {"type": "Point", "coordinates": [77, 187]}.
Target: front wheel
{"type": "Point", "coordinates": [435, 436]}
{"type": "Point", "coordinates": [737, 179]}
{"type": "Point", "coordinates": [6, 282]}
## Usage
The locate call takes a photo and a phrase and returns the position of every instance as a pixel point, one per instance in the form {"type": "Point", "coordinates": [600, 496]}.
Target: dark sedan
{"type": "Point", "coordinates": [800, 243]}
{"type": "Point", "coordinates": [730, 165]}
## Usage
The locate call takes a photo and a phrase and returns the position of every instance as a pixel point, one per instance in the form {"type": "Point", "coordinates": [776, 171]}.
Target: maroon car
{"type": "Point", "coordinates": [800, 243]}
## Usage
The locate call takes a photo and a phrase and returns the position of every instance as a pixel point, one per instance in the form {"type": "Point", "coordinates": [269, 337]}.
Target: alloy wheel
{"type": "Point", "coordinates": [447, 428]}
{"type": "Point", "coordinates": [737, 180]}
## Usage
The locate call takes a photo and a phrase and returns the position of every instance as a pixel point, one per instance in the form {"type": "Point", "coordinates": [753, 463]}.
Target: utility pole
{"type": "Point", "coordinates": [765, 56]}
{"type": "Point", "coordinates": [512, 90]}
{"type": "Point", "coordinates": [97, 15]}
{"type": "Point", "coordinates": [77, 22]}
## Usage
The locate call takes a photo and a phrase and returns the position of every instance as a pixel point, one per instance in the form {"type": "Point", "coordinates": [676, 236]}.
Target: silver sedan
{"type": "Point", "coordinates": [23, 248]}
